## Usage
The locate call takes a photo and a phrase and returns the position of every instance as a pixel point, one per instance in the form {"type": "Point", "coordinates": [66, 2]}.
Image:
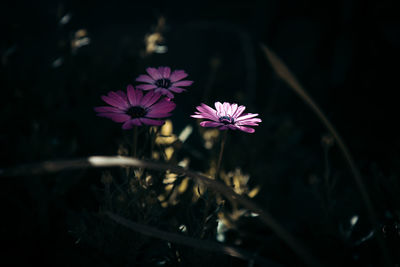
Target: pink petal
{"type": "Point", "coordinates": [107, 109]}
{"type": "Point", "coordinates": [115, 116]}
{"type": "Point", "coordinates": [232, 127]}
{"type": "Point", "coordinates": [134, 96]}
{"type": "Point", "coordinates": [246, 116]}
{"type": "Point", "coordinates": [123, 95]}
{"type": "Point", "coordinates": [129, 124]}
{"type": "Point", "coordinates": [177, 75]}
{"type": "Point", "coordinates": [154, 73]}
{"type": "Point", "coordinates": [158, 114]}
{"type": "Point", "coordinates": [210, 124]}
{"type": "Point", "coordinates": [208, 109]}
{"type": "Point", "coordinates": [249, 123]}
{"type": "Point", "coordinates": [239, 111]}
{"type": "Point", "coordinates": [176, 89]}
{"type": "Point", "coordinates": [167, 93]}
{"type": "Point", "coordinates": [207, 112]}
{"type": "Point", "coordinates": [253, 120]}
{"type": "Point", "coordinates": [165, 71]}
{"type": "Point", "coordinates": [163, 105]}
{"type": "Point", "coordinates": [227, 108]}
{"type": "Point", "coordinates": [152, 122]}
{"type": "Point", "coordinates": [203, 116]}
{"type": "Point", "coordinates": [150, 98]}
{"type": "Point", "coordinates": [115, 103]}
{"type": "Point", "coordinates": [144, 78]}
{"type": "Point", "coordinates": [233, 109]}
{"type": "Point", "coordinates": [220, 109]}
{"type": "Point", "coordinates": [246, 129]}
{"type": "Point", "coordinates": [182, 83]}
{"type": "Point", "coordinates": [146, 86]}
{"type": "Point", "coordinates": [117, 97]}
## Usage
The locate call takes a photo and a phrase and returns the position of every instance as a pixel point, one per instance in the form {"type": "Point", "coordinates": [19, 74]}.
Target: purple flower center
{"type": "Point", "coordinates": [226, 120]}
{"type": "Point", "coordinates": [163, 83]}
{"type": "Point", "coordinates": [136, 112]}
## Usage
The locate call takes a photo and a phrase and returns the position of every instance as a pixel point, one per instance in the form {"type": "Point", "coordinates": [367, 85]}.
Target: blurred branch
{"type": "Point", "coordinates": [109, 161]}
{"type": "Point", "coordinates": [285, 74]}
{"type": "Point", "coordinates": [188, 241]}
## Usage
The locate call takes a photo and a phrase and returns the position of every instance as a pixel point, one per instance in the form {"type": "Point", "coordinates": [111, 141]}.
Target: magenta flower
{"type": "Point", "coordinates": [226, 116]}
{"type": "Point", "coordinates": [163, 81]}
{"type": "Point", "coordinates": [134, 108]}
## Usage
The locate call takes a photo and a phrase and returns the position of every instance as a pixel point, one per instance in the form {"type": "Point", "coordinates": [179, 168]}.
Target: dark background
{"type": "Point", "coordinates": [343, 52]}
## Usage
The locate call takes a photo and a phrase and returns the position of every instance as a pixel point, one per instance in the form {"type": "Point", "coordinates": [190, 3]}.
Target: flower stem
{"type": "Point", "coordinates": [135, 135]}
{"type": "Point", "coordinates": [153, 136]}
{"type": "Point", "coordinates": [221, 152]}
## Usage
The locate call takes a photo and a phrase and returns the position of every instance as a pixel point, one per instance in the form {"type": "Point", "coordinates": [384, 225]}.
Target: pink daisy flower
{"type": "Point", "coordinates": [226, 116]}
{"type": "Point", "coordinates": [163, 81]}
{"type": "Point", "coordinates": [134, 108]}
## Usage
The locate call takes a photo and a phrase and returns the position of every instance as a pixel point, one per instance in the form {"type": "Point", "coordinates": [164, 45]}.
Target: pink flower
{"type": "Point", "coordinates": [134, 108]}
{"type": "Point", "coordinates": [163, 81]}
{"type": "Point", "coordinates": [226, 116]}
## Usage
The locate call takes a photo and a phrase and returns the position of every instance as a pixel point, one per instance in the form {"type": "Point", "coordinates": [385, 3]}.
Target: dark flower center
{"type": "Point", "coordinates": [163, 83]}
{"type": "Point", "coordinates": [226, 120]}
{"type": "Point", "coordinates": [136, 112]}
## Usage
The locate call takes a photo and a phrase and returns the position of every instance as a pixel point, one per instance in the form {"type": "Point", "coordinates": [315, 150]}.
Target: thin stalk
{"type": "Point", "coordinates": [108, 161]}
{"type": "Point", "coordinates": [284, 73]}
{"type": "Point", "coordinates": [153, 136]}
{"type": "Point", "coordinates": [135, 137]}
{"type": "Point", "coordinates": [221, 153]}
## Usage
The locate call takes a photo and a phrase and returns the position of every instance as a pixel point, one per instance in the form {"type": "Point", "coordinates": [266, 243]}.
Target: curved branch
{"type": "Point", "coordinates": [285, 74]}
{"type": "Point", "coordinates": [114, 161]}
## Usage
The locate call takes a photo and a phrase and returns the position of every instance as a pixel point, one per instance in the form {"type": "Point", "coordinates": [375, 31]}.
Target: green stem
{"type": "Point", "coordinates": [221, 152]}
{"type": "Point", "coordinates": [153, 136]}
{"type": "Point", "coordinates": [135, 136]}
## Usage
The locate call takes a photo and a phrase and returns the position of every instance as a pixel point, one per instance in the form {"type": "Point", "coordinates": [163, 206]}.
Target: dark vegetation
{"type": "Point", "coordinates": [58, 57]}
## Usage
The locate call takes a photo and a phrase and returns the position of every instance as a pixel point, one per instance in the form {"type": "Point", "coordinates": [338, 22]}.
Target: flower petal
{"type": "Point", "coordinates": [118, 97]}
{"type": "Point", "coordinates": [144, 78]}
{"type": "Point", "coordinates": [162, 106]}
{"type": "Point", "coordinates": [227, 108]}
{"type": "Point", "coordinates": [146, 86]}
{"type": "Point", "coordinates": [134, 96]}
{"type": "Point", "coordinates": [158, 115]}
{"type": "Point", "coordinates": [239, 111]}
{"type": "Point", "coordinates": [233, 109]}
{"type": "Point", "coordinates": [150, 98]}
{"type": "Point", "coordinates": [152, 122]}
{"type": "Point", "coordinates": [178, 75]}
{"type": "Point", "coordinates": [182, 83]}
{"type": "Point", "coordinates": [232, 127]}
{"type": "Point", "coordinates": [207, 109]}
{"type": "Point", "coordinates": [107, 109]}
{"type": "Point", "coordinates": [247, 121]}
{"type": "Point", "coordinates": [246, 129]}
{"type": "Point", "coordinates": [204, 115]}
{"type": "Point", "coordinates": [122, 94]}
{"type": "Point", "coordinates": [115, 116]}
{"type": "Point", "coordinates": [246, 116]}
{"type": "Point", "coordinates": [220, 109]}
{"type": "Point", "coordinates": [115, 103]}
{"type": "Point", "coordinates": [166, 92]}
{"type": "Point", "coordinates": [129, 124]}
{"type": "Point", "coordinates": [176, 89]}
{"type": "Point", "coordinates": [165, 72]}
{"type": "Point", "coordinates": [154, 73]}
{"type": "Point", "coordinates": [210, 124]}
